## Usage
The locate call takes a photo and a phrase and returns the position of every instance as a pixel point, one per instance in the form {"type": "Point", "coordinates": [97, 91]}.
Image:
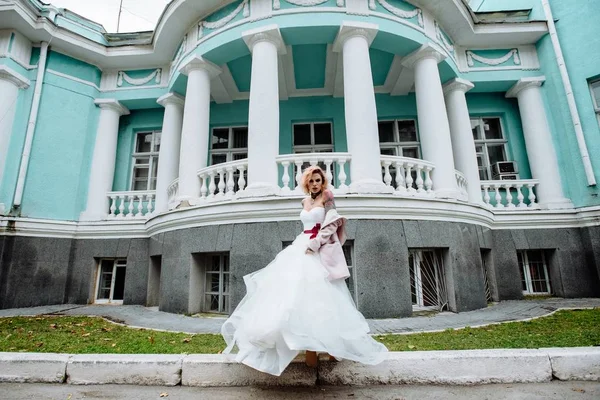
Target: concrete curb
{"type": "Point", "coordinates": [467, 367]}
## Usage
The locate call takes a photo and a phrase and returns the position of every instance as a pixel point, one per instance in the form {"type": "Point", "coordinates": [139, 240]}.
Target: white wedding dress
{"type": "Point", "coordinates": [291, 306]}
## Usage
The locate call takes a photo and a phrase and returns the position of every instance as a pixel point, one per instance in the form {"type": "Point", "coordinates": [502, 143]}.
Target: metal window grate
{"type": "Point", "coordinates": [534, 272]}
{"type": "Point", "coordinates": [427, 280]}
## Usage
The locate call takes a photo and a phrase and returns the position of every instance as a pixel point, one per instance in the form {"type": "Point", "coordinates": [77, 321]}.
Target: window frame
{"type": "Point", "coordinates": [595, 84]}
{"type": "Point", "coordinates": [397, 145]}
{"type": "Point", "coordinates": [229, 152]}
{"type": "Point", "coordinates": [206, 305]}
{"type": "Point", "coordinates": [440, 279]}
{"type": "Point", "coordinates": [525, 269]}
{"type": "Point", "coordinates": [484, 143]}
{"type": "Point", "coordinates": [351, 282]}
{"type": "Point", "coordinates": [312, 147]}
{"type": "Point", "coordinates": [117, 263]}
{"type": "Point", "coordinates": [153, 157]}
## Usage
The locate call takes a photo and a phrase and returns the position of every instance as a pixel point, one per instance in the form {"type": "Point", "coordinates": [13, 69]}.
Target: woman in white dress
{"type": "Point", "coordinates": [300, 302]}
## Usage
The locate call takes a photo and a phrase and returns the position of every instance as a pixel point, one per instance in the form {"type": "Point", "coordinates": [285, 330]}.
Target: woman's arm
{"type": "Point", "coordinates": [325, 233]}
{"type": "Point", "coordinates": [328, 201]}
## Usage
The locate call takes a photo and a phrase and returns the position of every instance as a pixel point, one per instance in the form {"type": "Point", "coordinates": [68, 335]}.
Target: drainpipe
{"type": "Point", "coordinates": [583, 151]}
{"type": "Point", "coordinates": [35, 107]}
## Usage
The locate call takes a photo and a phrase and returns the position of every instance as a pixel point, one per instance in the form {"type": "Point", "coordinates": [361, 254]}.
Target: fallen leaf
{"type": "Point", "coordinates": [39, 344]}
{"type": "Point", "coordinates": [578, 390]}
{"type": "Point", "coordinates": [186, 340]}
{"type": "Point", "coordinates": [69, 396]}
{"type": "Point", "coordinates": [113, 345]}
{"type": "Point", "coordinates": [8, 337]}
{"type": "Point", "coordinates": [86, 334]}
{"type": "Point", "coordinates": [107, 339]}
{"type": "Point", "coordinates": [151, 339]}
{"type": "Point", "coordinates": [106, 329]}
{"type": "Point", "coordinates": [411, 346]}
{"type": "Point", "coordinates": [173, 342]}
{"type": "Point", "coordinates": [164, 394]}
{"type": "Point", "coordinates": [53, 326]}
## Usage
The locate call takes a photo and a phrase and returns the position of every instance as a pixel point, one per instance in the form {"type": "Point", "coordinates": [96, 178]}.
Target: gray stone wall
{"type": "Point", "coordinates": [37, 271]}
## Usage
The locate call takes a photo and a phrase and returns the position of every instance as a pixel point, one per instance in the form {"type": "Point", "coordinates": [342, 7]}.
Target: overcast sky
{"type": "Point", "coordinates": [137, 15]}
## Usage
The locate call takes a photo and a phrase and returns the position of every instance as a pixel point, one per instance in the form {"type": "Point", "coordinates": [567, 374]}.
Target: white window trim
{"type": "Point", "coordinates": [485, 142]}
{"type": "Point", "coordinates": [152, 155]}
{"type": "Point", "coordinates": [229, 152]}
{"type": "Point", "coordinates": [397, 145]}
{"type": "Point", "coordinates": [121, 262]}
{"type": "Point", "coordinates": [527, 273]}
{"type": "Point", "coordinates": [221, 293]}
{"type": "Point", "coordinates": [595, 84]}
{"type": "Point", "coordinates": [312, 147]}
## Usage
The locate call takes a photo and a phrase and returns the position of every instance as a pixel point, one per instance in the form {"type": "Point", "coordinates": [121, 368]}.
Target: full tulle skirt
{"type": "Point", "coordinates": [291, 306]}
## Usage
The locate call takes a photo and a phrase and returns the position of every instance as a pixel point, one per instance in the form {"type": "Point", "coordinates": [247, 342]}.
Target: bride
{"type": "Point", "coordinates": [300, 302]}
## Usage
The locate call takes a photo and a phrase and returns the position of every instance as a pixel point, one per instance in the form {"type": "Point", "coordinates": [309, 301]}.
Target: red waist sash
{"type": "Point", "coordinates": [314, 231]}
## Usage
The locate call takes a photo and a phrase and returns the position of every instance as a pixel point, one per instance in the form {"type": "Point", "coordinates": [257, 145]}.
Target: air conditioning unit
{"type": "Point", "coordinates": [504, 167]}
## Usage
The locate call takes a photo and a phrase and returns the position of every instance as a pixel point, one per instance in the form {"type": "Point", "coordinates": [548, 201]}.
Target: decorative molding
{"type": "Point", "coordinates": [156, 75]}
{"type": "Point", "coordinates": [525, 83]}
{"type": "Point", "coordinates": [417, 12]}
{"type": "Point", "coordinates": [459, 84]}
{"type": "Point", "coordinates": [449, 47]}
{"type": "Point", "coordinates": [171, 98]}
{"type": "Point", "coordinates": [428, 50]}
{"type": "Point", "coordinates": [112, 104]}
{"type": "Point", "coordinates": [354, 28]}
{"type": "Point", "coordinates": [72, 78]}
{"type": "Point", "coordinates": [14, 77]}
{"type": "Point", "coordinates": [225, 20]}
{"type": "Point", "coordinates": [514, 53]}
{"type": "Point", "coordinates": [269, 33]}
{"type": "Point", "coordinates": [305, 3]}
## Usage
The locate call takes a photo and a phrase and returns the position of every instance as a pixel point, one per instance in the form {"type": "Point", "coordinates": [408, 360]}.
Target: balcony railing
{"type": "Point", "coordinates": [509, 194]}
{"type": "Point", "coordinates": [408, 176]}
{"type": "Point", "coordinates": [292, 165]}
{"type": "Point", "coordinates": [131, 205]}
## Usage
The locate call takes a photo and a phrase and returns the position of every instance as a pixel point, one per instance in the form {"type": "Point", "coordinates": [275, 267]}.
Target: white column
{"type": "Point", "coordinates": [263, 115]}
{"type": "Point", "coordinates": [434, 129]}
{"type": "Point", "coordinates": [354, 39]}
{"type": "Point", "coordinates": [195, 129]}
{"type": "Point", "coordinates": [103, 160]}
{"type": "Point", "coordinates": [10, 83]}
{"type": "Point", "coordinates": [170, 143]}
{"type": "Point", "coordinates": [538, 141]}
{"type": "Point", "coordinates": [463, 145]}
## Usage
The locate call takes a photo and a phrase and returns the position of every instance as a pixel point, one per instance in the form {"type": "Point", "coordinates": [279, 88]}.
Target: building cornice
{"type": "Point", "coordinates": [375, 207]}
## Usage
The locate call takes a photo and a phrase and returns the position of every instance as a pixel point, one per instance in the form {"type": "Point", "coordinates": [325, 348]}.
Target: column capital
{"type": "Point", "coordinates": [350, 29]}
{"type": "Point", "coordinates": [197, 62]}
{"type": "Point", "coordinates": [525, 83]}
{"type": "Point", "coordinates": [269, 33]}
{"type": "Point", "coordinates": [427, 50]}
{"type": "Point", "coordinates": [112, 104]}
{"type": "Point", "coordinates": [14, 77]}
{"type": "Point", "coordinates": [458, 84]}
{"type": "Point", "coordinates": [171, 98]}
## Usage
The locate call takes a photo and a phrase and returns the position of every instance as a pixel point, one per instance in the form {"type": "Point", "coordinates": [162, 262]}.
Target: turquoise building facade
{"type": "Point", "coordinates": [462, 139]}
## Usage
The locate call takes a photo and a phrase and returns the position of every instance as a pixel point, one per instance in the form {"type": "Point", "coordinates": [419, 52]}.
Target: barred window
{"type": "Point", "coordinates": [534, 272]}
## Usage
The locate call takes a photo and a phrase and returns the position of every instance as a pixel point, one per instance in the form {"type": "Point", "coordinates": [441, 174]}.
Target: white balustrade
{"type": "Point", "coordinates": [334, 165]}
{"type": "Point", "coordinates": [172, 193]}
{"type": "Point", "coordinates": [223, 181]}
{"type": "Point", "coordinates": [463, 186]}
{"type": "Point", "coordinates": [508, 194]}
{"type": "Point", "coordinates": [408, 176]}
{"type": "Point", "coordinates": [131, 205]}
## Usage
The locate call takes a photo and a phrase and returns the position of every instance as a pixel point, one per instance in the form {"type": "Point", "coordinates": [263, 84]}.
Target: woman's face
{"type": "Point", "coordinates": [315, 184]}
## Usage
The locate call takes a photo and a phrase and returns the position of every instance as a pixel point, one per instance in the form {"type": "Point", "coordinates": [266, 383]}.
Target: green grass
{"type": "Point", "coordinates": [566, 328]}
{"type": "Point", "coordinates": [87, 335]}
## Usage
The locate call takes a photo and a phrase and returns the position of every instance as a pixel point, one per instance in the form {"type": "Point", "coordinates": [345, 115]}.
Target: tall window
{"type": "Point", "coordinates": [216, 290]}
{"type": "Point", "coordinates": [145, 160]}
{"type": "Point", "coordinates": [534, 272]}
{"type": "Point", "coordinates": [595, 89]}
{"type": "Point", "coordinates": [399, 138]}
{"type": "Point", "coordinates": [110, 281]}
{"type": "Point", "coordinates": [313, 137]}
{"type": "Point", "coordinates": [229, 144]}
{"type": "Point", "coordinates": [427, 280]}
{"type": "Point", "coordinates": [490, 144]}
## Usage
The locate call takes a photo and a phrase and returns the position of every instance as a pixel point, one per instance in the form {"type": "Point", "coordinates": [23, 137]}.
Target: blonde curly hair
{"type": "Point", "coordinates": [308, 173]}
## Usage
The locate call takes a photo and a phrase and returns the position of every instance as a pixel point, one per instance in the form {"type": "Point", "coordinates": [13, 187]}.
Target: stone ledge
{"type": "Point", "coordinates": [33, 367]}
{"type": "Point", "coordinates": [575, 364]}
{"type": "Point", "coordinates": [467, 367]}
{"type": "Point", "coordinates": [130, 369]}
{"type": "Point", "coordinates": [222, 370]}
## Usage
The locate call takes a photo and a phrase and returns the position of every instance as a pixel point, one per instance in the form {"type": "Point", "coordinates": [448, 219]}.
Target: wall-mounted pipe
{"type": "Point", "coordinates": [583, 151]}
{"type": "Point", "coordinates": [31, 125]}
